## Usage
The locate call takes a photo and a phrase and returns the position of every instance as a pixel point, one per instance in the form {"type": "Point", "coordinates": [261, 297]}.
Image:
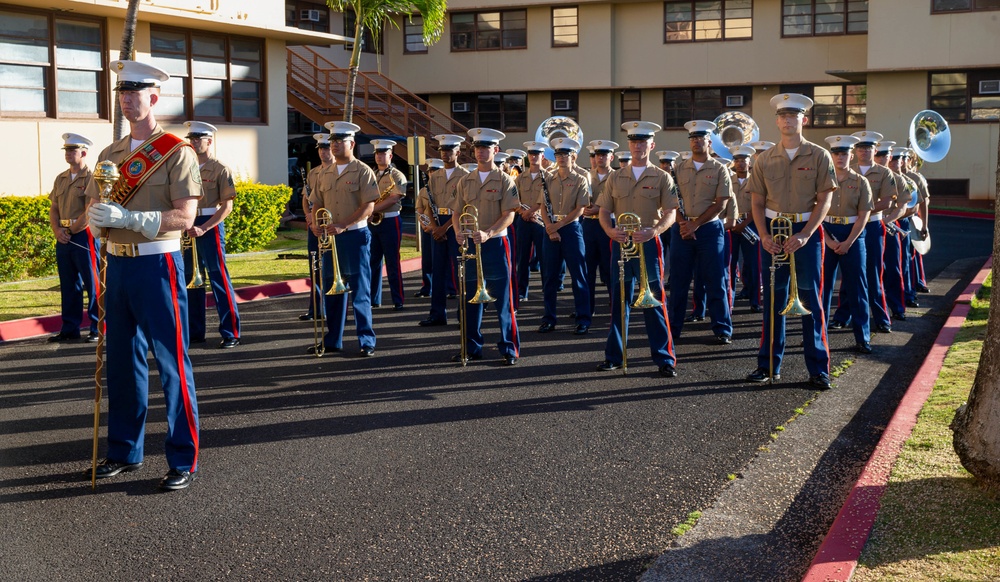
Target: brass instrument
{"type": "Point", "coordinates": [376, 218]}
{"type": "Point", "coordinates": [326, 243]}
{"type": "Point", "coordinates": [106, 175]}
{"type": "Point", "coordinates": [748, 234]}
{"type": "Point", "coordinates": [630, 223]}
{"type": "Point", "coordinates": [535, 217]}
{"type": "Point", "coordinates": [780, 229]}
{"type": "Point", "coordinates": [469, 223]}
{"type": "Point", "coordinates": [188, 243]}
{"type": "Point", "coordinates": [733, 128]}
{"type": "Point", "coordinates": [424, 219]}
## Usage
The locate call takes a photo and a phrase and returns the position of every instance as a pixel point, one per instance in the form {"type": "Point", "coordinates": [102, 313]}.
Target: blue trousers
{"type": "Point", "coordinates": [597, 247]}
{"type": "Point", "coordinates": [749, 254]}
{"type": "Point", "coordinates": [706, 256]}
{"type": "Point", "coordinates": [499, 284]}
{"type": "Point", "coordinates": [905, 252]}
{"type": "Point", "coordinates": [875, 236]}
{"type": "Point", "coordinates": [661, 346]}
{"type": "Point", "coordinates": [529, 236]}
{"type": "Point", "coordinates": [355, 268]}
{"type": "Point", "coordinates": [76, 262]}
{"type": "Point", "coordinates": [854, 286]}
{"type": "Point", "coordinates": [445, 278]}
{"type": "Point", "coordinates": [808, 267]}
{"type": "Point", "coordinates": [426, 261]}
{"type": "Point", "coordinates": [316, 296]}
{"type": "Point", "coordinates": [569, 249]}
{"type": "Point", "coordinates": [893, 276]}
{"type": "Point", "coordinates": [212, 258]}
{"type": "Point", "coordinates": [386, 238]}
{"type": "Point", "coordinates": [147, 309]}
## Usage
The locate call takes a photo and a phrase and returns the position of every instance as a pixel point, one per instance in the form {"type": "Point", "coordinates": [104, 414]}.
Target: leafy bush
{"type": "Point", "coordinates": [27, 245]}
{"type": "Point", "coordinates": [257, 210]}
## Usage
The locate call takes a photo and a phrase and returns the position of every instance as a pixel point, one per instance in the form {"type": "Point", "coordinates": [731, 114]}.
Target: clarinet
{"type": "Point", "coordinates": [548, 200]}
{"type": "Point", "coordinates": [305, 186]}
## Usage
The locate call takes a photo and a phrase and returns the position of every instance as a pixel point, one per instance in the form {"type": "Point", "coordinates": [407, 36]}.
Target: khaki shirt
{"type": "Point", "coordinates": [70, 195]}
{"type": "Point", "coordinates": [217, 184]}
{"type": "Point", "coordinates": [852, 197]}
{"type": "Point", "coordinates": [742, 193]}
{"type": "Point", "coordinates": [492, 198]}
{"type": "Point", "coordinates": [922, 193]}
{"type": "Point", "coordinates": [342, 194]}
{"type": "Point", "coordinates": [176, 179]}
{"type": "Point", "coordinates": [530, 188]}
{"type": "Point", "coordinates": [565, 195]}
{"type": "Point", "coordinates": [392, 178]}
{"type": "Point", "coordinates": [313, 180]}
{"type": "Point", "coordinates": [791, 186]}
{"type": "Point", "coordinates": [645, 197]}
{"type": "Point", "coordinates": [699, 189]}
{"type": "Point", "coordinates": [443, 188]}
{"type": "Point", "coordinates": [597, 184]}
{"type": "Point", "coordinates": [881, 180]}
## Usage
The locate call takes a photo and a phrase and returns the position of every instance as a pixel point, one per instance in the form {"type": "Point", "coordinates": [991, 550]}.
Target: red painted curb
{"type": "Point", "coordinates": [963, 214]}
{"type": "Point", "coordinates": [838, 555]}
{"type": "Point", "coordinates": [35, 326]}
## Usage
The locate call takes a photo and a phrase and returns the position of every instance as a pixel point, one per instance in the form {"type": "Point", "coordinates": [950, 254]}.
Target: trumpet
{"type": "Point", "coordinates": [748, 234]}
{"type": "Point", "coordinates": [424, 219]}
{"type": "Point", "coordinates": [196, 281]}
{"type": "Point", "coordinates": [469, 223]}
{"type": "Point", "coordinates": [536, 217]}
{"type": "Point", "coordinates": [781, 229]}
{"type": "Point", "coordinates": [376, 217]}
{"type": "Point", "coordinates": [631, 223]}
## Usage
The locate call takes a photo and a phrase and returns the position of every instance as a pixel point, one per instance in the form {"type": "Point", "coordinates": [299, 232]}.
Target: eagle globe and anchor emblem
{"type": "Point", "coordinates": [135, 168]}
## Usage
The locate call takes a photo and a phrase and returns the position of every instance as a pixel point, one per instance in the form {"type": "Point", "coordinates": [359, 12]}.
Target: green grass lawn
{"type": "Point", "coordinates": [284, 259]}
{"type": "Point", "coordinates": [935, 521]}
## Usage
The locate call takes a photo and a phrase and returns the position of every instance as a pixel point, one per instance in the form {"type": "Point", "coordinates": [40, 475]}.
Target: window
{"type": "Point", "coordinates": [683, 105]}
{"type": "Point", "coordinates": [822, 17]}
{"type": "Point", "coordinates": [566, 104]}
{"type": "Point", "coordinates": [212, 77]}
{"type": "Point", "coordinates": [565, 27]}
{"type": "Point", "coordinates": [51, 66]}
{"type": "Point", "coordinates": [631, 105]}
{"type": "Point", "coordinates": [945, 6]}
{"type": "Point", "coordinates": [505, 112]}
{"type": "Point", "coordinates": [487, 31]}
{"type": "Point", "coordinates": [307, 15]}
{"type": "Point", "coordinates": [687, 20]}
{"type": "Point", "coordinates": [368, 44]}
{"type": "Point", "coordinates": [962, 97]}
{"type": "Point", "coordinates": [413, 34]}
{"type": "Point", "coordinates": [833, 105]}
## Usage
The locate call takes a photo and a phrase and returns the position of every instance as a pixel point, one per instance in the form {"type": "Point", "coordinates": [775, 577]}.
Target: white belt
{"type": "Point", "coordinates": [358, 225]}
{"type": "Point", "coordinates": [143, 249]}
{"type": "Point", "coordinates": [800, 217]}
{"type": "Point", "coordinates": [876, 217]}
{"type": "Point", "coordinates": [207, 211]}
{"type": "Point", "coordinates": [390, 214]}
{"type": "Point", "coordinates": [594, 217]}
{"type": "Point", "coordinates": [501, 233]}
{"type": "Point", "coordinates": [841, 219]}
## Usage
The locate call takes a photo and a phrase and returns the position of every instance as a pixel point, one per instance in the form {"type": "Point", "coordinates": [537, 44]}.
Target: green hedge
{"type": "Point", "coordinates": [27, 246]}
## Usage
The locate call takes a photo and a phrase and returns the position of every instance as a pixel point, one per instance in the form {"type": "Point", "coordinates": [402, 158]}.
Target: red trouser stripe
{"type": "Point", "coordinates": [226, 283]}
{"type": "Point", "coordinates": [181, 352]}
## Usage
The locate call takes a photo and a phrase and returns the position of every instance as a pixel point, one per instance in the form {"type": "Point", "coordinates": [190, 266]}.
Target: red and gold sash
{"type": "Point", "coordinates": [141, 163]}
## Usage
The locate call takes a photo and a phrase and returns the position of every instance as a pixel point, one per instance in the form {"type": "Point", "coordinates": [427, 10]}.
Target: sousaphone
{"type": "Point", "coordinates": [733, 128]}
{"type": "Point", "coordinates": [930, 139]}
{"type": "Point", "coordinates": [558, 126]}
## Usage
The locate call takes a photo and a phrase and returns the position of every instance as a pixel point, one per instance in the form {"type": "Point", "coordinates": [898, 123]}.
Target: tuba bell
{"type": "Point", "coordinates": [558, 126]}
{"type": "Point", "coordinates": [930, 136]}
{"type": "Point", "coordinates": [733, 128]}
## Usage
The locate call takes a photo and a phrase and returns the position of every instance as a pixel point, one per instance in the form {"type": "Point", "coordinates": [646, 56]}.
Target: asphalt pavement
{"type": "Point", "coordinates": [405, 466]}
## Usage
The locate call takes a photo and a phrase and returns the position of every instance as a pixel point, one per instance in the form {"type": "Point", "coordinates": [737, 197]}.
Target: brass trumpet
{"type": "Point", "coordinates": [196, 281]}
{"type": "Point", "coordinates": [780, 229]}
{"type": "Point", "coordinates": [469, 223]}
{"type": "Point", "coordinates": [631, 223]}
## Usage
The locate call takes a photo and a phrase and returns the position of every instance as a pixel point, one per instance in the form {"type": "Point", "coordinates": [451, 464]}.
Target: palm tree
{"type": "Point", "coordinates": [127, 48]}
{"type": "Point", "coordinates": [372, 15]}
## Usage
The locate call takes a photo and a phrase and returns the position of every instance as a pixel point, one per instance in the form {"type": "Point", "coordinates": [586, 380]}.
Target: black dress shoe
{"type": "Point", "coordinates": [761, 375]}
{"type": "Point", "coordinates": [397, 307]}
{"type": "Point", "coordinates": [741, 295]}
{"type": "Point", "coordinates": [546, 327]}
{"type": "Point", "coordinates": [723, 339]}
{"type": "Point", "coordinates": [837, 324]}
{"type": "Point", "coordinates": [668, 371]}
{"type": "Point", "coordinates": [421, 294]}
{"type": "Point", "coordinates": [175, 480]}
{"type": "Point", "coordinates": [522, 297]}
{"type": "Point", "coordinates": [312, 349]}
{"type": "Point", "coordinates": [820, 382]}
{"type": "Point", "coordinates": [468, 357]}
{"type": "Point", "coordinates": [581, 329]}
{"type": "Point", "coordinates": [306, 317]}
{"type": "Point", "coordinates": [63, 337]}
{"type": "Point", "coordinates": [883, 328]}
{"type": "Point", "coordinates": [756, 309]}
{"type": "Point", "coordinates": [864, 348]}
{"type": "Point", "coordinates": [923, 289]}
{"type": "Point", "coordinates": [374, 305]}
{"type": "Point", "coordinates": [366, 352]}
{"type": "Point", "coordinates": [452, 295]}
{"type": "Point", "coordinates": [912, 303]}
{"type": "Point", "coordinates": [694, 318]}
{"type": "Point", "coordinates": [109, 468]}
{"type": "Point", "coordinates": [196, 340]}
{"type": "Point", "coordinates": [899, 316]}
{"type": "Point", "coordinates": [230, 342]}
{"type": "Point", "coordinates": [430, 322]}
{"type": "Point", "coordinates": [509, 360]}
{"type": "Point", "coordinates": [607, 366]}
{"type": "Point", "coordinates": [92, 338]}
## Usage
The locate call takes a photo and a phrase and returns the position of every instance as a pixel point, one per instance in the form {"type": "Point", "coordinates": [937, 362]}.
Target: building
{"type": "Point", "coordinates": [227, 60]}
{"type": "Point", "coordinates": [511, 65]}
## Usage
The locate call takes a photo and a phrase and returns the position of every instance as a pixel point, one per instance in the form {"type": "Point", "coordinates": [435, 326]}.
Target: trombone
{"type": "Point", "coordinates": [197, 280]}
{"type": "Point", "coordinates": [630, 223]}
{"type": "Point", "coordinates": [322, 218]}
{"type": "Point", "coordinates": [469, 223]}
{"type": "Point", "coordinates": [780, 229]}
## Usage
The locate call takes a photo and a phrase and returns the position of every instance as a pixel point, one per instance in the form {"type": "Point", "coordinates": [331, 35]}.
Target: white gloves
{"type": "Point", "coordinates": [113, 215]}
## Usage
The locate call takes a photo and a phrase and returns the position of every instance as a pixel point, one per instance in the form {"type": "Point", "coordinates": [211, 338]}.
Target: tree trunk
{"type": "Point", "coordinates": [977, 422]}
{"type": "Point", "coordinates": [352, 71]}
{"type": "Point", "coordinates": [127, 47]}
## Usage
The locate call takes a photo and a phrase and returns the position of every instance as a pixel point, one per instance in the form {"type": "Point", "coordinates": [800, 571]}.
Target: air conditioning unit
{"type": "Point", "coordinates": [989, 87]}
{"type": "Point", "coordinates": [310, 15]}
{"type": "Point", "coordinates": [561, 105]}
{"type": "Point", "coordinates": [734, 100]}
{"type": "Point", "coordinates": [460, 107]}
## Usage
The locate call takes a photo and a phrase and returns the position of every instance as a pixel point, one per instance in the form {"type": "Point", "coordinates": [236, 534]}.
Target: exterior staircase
{"type": "Point", "coordinates": [316, 88]}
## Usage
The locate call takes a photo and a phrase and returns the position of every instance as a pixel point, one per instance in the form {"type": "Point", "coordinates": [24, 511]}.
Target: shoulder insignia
{"type": "Point", "coordinates": [195, 173]}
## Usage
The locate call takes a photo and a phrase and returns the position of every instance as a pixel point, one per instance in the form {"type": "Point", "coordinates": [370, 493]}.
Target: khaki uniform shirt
{"type": "Point", "coordinates": [791, 186]}
{"type": "Point", "coordinates": [882, 182]}
{"type": "Point", "coordinates": [492, 198]}
{"type": "Point", "coordinates": [342, 194]}
{"type": "Point", "coordinates": [387, 179]}
{"type": "Point", "coordinates": [645, 197]}
{"type": "Point", "coordinates": [313, 180]}
{"type": "Point", "coordinates": [530, 188]}
{"type": "Point", "coordinates": [70, 195]}
{"type": "Point", "coordinates": [175, 179]}
{"type": "Point", "coordinates": [743, 197]}
{"type": "Point", "coordinates": [597, 184]}
{"type": "Point", "coordinates": [443, 188]}
{"type": "Point", "coordinates": [699, 189]}
{"type": "Point", "coordinates": [852, 197]}
{"type": "Point", "coordinates": [216, 183]}
{"type": "Point", "coordinates": [565, 195]}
